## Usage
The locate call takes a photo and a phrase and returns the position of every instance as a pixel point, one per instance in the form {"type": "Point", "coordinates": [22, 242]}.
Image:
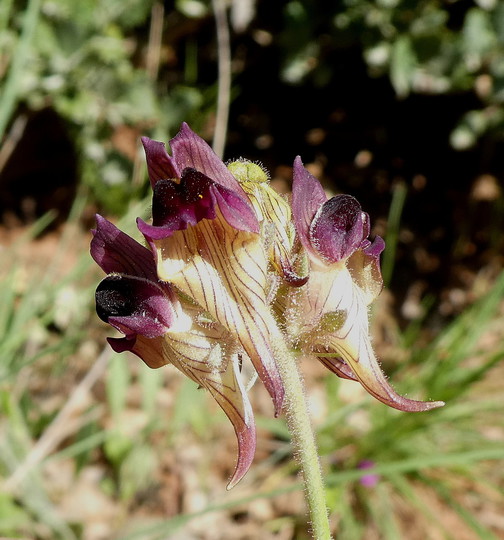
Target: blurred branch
{"type": "Point", "coordinates": [152, 62]}
{"type": "Point", "coordinates": [155, 40]}
{"type": "Point", "coordinates": [14, 136]}
{"type": "Point", "coordinates": [58, 429]}
{"type": "Point", "coordinates": [224, 88]}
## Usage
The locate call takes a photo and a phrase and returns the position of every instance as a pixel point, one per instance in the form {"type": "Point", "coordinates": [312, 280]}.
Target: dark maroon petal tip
{"type": "Point", "coordinates": [160, 165]}
{"type": "Point", "coordinates": [134, 305]}
{"type": "Point", "coordinates": [338, 228]}
{"type": "Point", "coordinates": [176, 206]}
{"type": "Point", "coordinates": [115, 251]}
{"type": "Point", "coordinates": [150, 350]}
{"type": "Point", "coordinates": [124, 344]}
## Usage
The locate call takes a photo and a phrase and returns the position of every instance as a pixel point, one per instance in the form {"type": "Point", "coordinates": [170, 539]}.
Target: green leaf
{"type": "Point", "coordinates": [402, 65]}
{"type": "Point", "coordinates": [478, 36]}
{"type": "Point", "coordinates": [118, 379]}
{"type": "Point", "coordinates": [137, 470]}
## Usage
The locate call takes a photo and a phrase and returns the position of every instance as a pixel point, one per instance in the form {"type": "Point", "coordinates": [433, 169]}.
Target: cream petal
{"type": "Point", "coordinates": [332, 291]}
{"type": "Point", "coordinates": [224, 271]}
{"type": "Point", "coordinates": [366, 274]}
{"type": "Point", "coordinates": [207, 356]}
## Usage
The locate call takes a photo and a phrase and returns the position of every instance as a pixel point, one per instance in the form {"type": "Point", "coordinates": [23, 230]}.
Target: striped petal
{"type": "Point", "coordinates": [224, 270]}
{"type": "Point", "coordinates": [207, 355]}
{"type": "Point", "coordinates": [337, 322]}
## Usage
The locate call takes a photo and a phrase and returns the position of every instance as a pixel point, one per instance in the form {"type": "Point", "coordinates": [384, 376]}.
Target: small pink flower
{"type": "Point", "coordinates": [368, 480]}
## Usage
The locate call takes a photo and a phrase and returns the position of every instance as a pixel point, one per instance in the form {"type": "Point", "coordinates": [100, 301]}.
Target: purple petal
{"type": "Point", "coordinates": [134, 305]}
{"type": "Point", "coordinates": [191, 151]}
{"type": "Point", "coordinates": [307, 197]}
{"type": "Point", "coordinates": [375, 249]}
{"type": "Point", "coordinates": [115, 251]}
{"type": "Point", "coordinates": [236, 210]}
{"type": "Point", "coordinates": [160, 165]}
{"type": "Point", "coordinates": [176, 206]}
{"type": "Point", "coordinates": [339, 228]}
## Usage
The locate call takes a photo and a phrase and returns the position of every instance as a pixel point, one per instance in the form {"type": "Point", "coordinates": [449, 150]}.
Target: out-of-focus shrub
{"type": "Point", "coordinates": [424, 47]}
{"type": "Point", "coordinates": [89, 61]}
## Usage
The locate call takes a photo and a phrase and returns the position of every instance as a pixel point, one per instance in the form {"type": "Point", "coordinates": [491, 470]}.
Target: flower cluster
{"type": "Point", "coordinates": [232, 272]}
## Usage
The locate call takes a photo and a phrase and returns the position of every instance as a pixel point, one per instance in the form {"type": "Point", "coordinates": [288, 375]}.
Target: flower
{"type": "Point", "coordinates": [371, 479]}
{"type": "Point", "coordinates": [233, 272]}
{"type": "Point", "coordinates": [206, 236]}
{"type": "Point", "coordinates": [162, 329]}
{"type": "Point", "coordinates": [345, 278]}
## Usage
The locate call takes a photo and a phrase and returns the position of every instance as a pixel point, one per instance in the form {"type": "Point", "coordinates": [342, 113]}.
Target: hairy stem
{"type": "Point", "coordinates": [303, 439]}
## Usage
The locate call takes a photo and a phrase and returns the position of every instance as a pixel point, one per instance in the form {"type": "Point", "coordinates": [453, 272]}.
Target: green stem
{"type": "Point", "coordinates": [303, 439]}
{"type": "Point", "coordinates": [393, 223]}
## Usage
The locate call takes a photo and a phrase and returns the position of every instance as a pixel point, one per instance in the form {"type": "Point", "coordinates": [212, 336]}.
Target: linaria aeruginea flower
{"type": "Point", "coordinates": [234, 272]}
{"type": "Point", "coordinates": [161, 329]}
{"type": "Point", "coordinates": [345, 278]}
{"type": "Point", "coordinates": [206, 235]}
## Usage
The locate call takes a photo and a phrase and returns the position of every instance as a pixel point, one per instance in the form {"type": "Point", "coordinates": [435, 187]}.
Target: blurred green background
{"type": "Point", "coordinates": [399, 103]}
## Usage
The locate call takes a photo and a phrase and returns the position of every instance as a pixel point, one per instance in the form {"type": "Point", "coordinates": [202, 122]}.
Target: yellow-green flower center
{"type": "Point", "coordinates": [246, 171]}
